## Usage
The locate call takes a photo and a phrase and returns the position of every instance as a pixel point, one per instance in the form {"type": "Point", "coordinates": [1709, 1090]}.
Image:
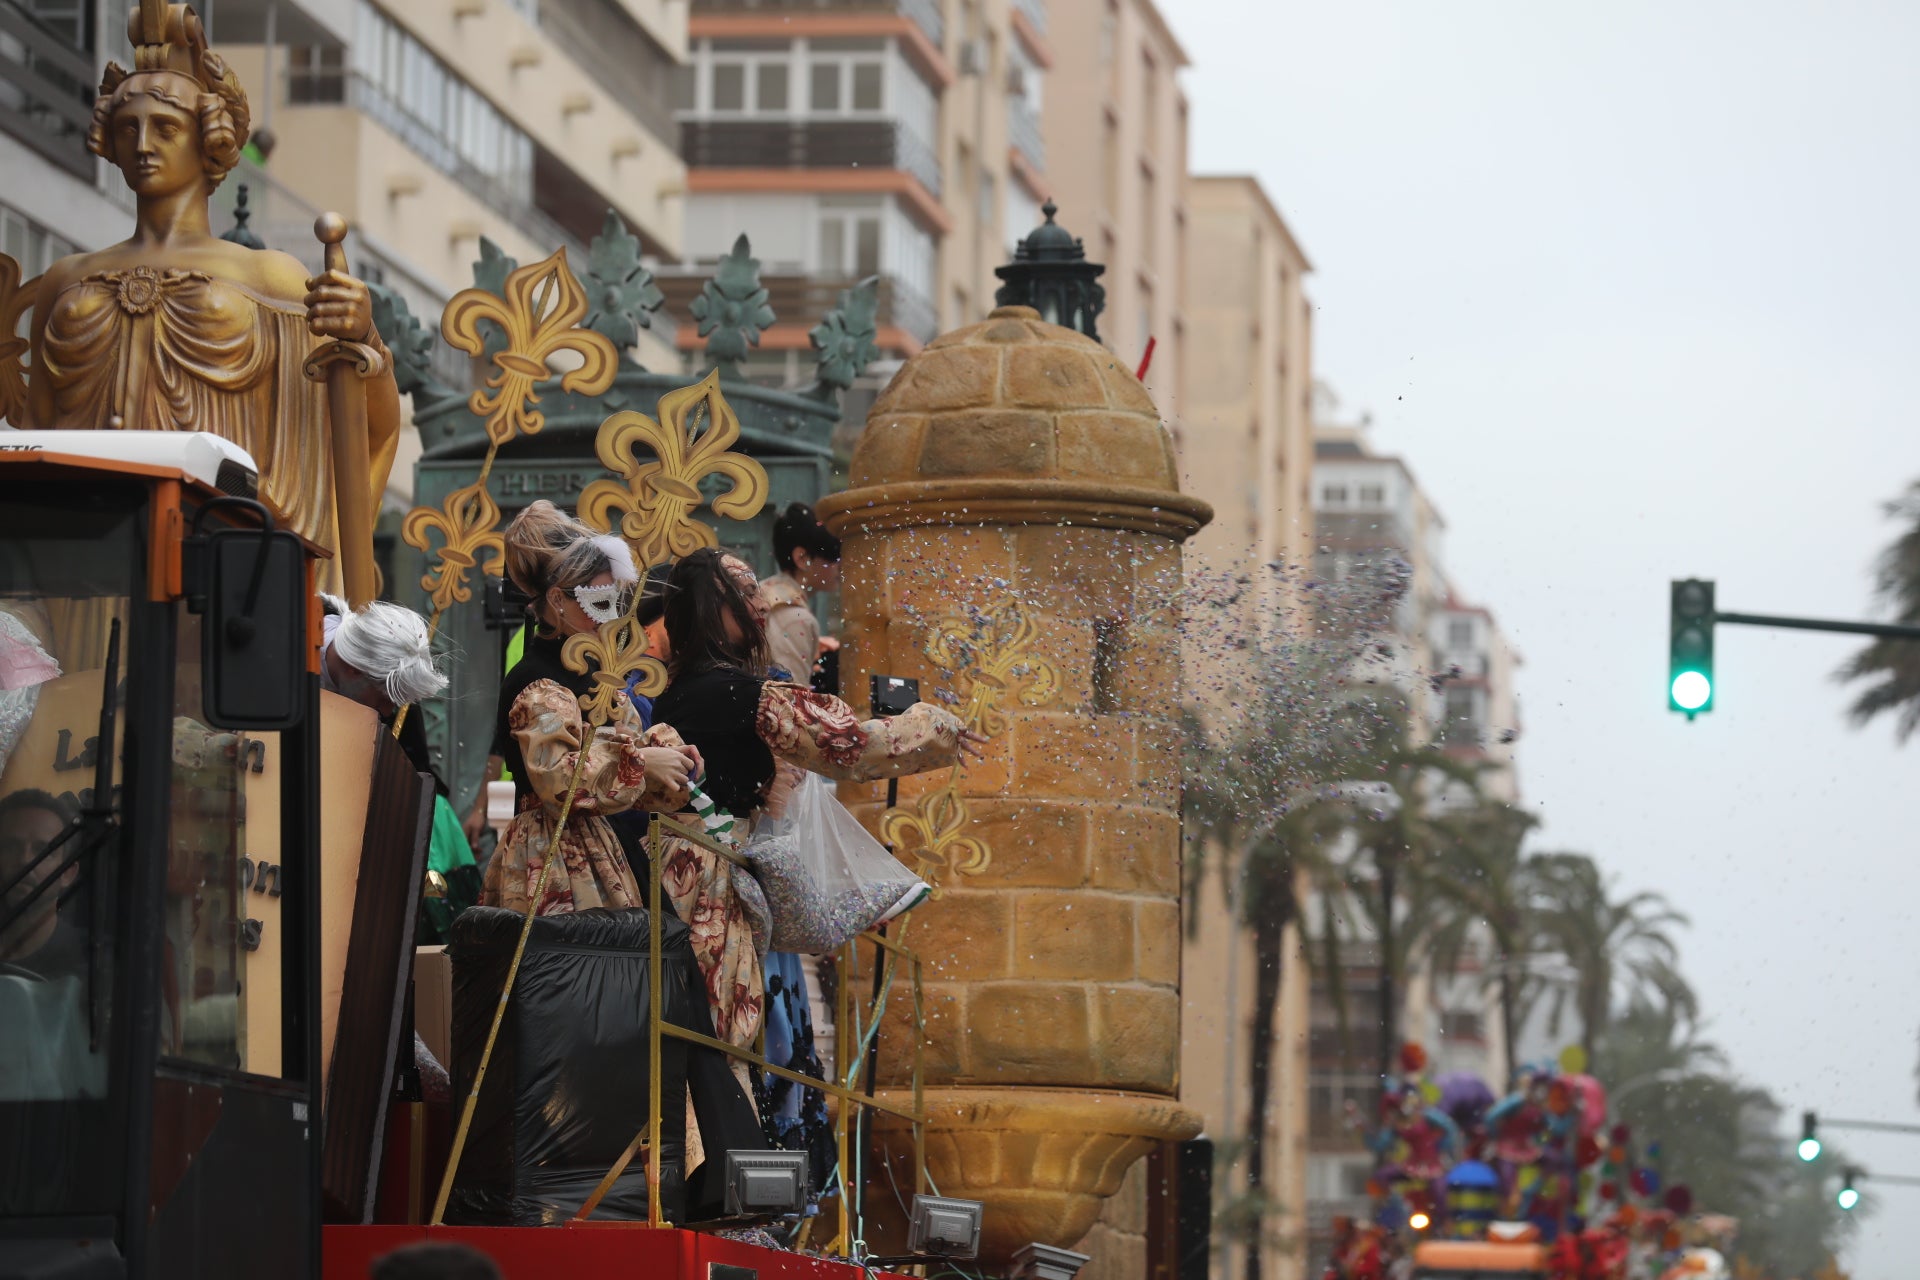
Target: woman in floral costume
{"type": "Point", "coordinates": [750, 732]}
{"type": "Point", "coordinates": [576, 584]}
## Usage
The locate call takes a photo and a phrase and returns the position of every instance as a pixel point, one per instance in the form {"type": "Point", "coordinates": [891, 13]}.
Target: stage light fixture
{"type": "Point", "coordinates": [944, 1226]}
{"type": "Point", "coordinates": [766, 1183]}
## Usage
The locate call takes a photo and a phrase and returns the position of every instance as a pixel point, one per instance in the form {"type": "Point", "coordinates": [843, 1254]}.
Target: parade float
{"type": "Point", "coordinates": [201, 439]}
{"type": "Point", "coordinates": [1537, 1183]}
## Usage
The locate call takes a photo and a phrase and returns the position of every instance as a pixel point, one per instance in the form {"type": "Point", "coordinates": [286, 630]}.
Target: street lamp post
{"type": "Point", "coordinates": [1051, 274]}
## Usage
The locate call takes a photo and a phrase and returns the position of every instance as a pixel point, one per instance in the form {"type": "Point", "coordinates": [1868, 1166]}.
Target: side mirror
{"type": "Point", "coordinates": [250, 587]}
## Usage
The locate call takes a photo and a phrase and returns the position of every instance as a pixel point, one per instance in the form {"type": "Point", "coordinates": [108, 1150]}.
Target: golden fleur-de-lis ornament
{"type": "Point", "coordinates": [932, 832]}
{"type": "Point", "coordinates": [661, 464]}
{"type": "Point", "coordinates": [991, 650]}
{"type": "Point", "coordinates": [15, 299]}
{"type": "Point", "coordinates": [610, 655]}
{"type": "Point", "coordinates": [466, 523]}
{"type": "Point", "coordinates": [538, 311]}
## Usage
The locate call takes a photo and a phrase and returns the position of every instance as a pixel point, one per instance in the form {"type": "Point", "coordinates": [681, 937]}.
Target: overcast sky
{"type": "Point", "coordinates": [1634, 288]}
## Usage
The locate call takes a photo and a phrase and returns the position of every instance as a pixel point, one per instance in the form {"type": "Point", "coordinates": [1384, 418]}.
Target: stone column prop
{"type": "Point", "coordinates": [1013, 539]}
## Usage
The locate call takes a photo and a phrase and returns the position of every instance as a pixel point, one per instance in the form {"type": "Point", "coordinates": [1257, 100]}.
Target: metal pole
{"type": "Point", "coordinates": [1882, 1126]}
{"type": "Point", "coordinates": [655, 1217]}
{"type": "Point", "coordinates": [1886, 630]}
{"type": "Point", "coordinates": [1892, 1179]}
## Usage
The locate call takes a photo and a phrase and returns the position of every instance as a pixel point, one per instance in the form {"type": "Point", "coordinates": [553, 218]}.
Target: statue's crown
{"type": "Point", "coordinates": [167, 37]}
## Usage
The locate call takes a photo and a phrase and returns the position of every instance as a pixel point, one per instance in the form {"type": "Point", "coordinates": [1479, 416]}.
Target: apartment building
{"type": "Point", "coordinates": [853, 138]}
{"type": "Point", "coordinates": [1115, 122]}
{"type": "Point", "coordinates": [57, 198]}
{"type": "Point", "coordinates": [431, 126]}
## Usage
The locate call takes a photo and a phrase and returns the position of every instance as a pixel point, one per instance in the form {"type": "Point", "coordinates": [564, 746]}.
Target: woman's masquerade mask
{"type": "Point", "coordinates": [603, 604]}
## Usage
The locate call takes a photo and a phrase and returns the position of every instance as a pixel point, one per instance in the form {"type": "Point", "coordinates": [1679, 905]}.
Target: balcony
{"type": "Point", "coordinates": [46, 90]}
{"type": "Point", "coordinates": [809, 144]}
{"type": "Point", "coordinates": [1023, 131]}
{"type": "Point", "coordinates": [619, 55]}
{"type": "Point", "coordinates": [438, 150]}
{"type": "Point", "coordinates": [803, 299]}
{"type": "Point", "coordinates": [924, 13]}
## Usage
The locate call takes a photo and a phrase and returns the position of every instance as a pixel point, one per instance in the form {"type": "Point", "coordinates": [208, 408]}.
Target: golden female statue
{"type": "Point", "coordinates": [177, 330]}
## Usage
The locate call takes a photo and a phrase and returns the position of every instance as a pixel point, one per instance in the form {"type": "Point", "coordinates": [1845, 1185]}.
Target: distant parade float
{"type": "Point", "coordinates": [1533, 1184]}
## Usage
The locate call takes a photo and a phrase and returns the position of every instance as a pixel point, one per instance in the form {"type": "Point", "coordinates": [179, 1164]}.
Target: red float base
{"type": "Point", "coordinates": [588, 1251]}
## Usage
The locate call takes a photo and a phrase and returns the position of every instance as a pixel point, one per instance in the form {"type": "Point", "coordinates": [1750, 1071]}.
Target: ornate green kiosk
{"type": "Point", "coordinates": [787, 431]}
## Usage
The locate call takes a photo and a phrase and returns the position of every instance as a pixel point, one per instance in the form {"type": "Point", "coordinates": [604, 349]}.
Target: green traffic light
{"type": "Point", "coordinates": [1847, 1198]}
{"type": "Point", "coordinates": [1809, 1149]}
{"type": "Point", "coordinates": [1691, 690]}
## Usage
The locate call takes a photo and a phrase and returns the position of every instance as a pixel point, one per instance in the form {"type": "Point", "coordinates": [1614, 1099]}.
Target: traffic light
{"type": "Point", "coordinates": [1690, 650]}
{"type": "Point", "coordinates": [1848, 1197]}
{"type": "Point", "coordinates": [1809, 1136]}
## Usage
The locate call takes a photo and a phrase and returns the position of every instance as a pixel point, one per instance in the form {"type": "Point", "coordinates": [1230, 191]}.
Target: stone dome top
{"type": "Point", "coordinates": [1015, 398]}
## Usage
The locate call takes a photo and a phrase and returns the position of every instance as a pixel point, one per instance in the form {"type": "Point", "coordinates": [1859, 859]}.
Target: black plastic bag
{"type": "Point", "coordinates": [567, 1087]}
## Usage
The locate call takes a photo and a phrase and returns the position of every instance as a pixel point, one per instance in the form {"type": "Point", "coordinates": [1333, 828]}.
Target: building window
{"type": "Point", "coordinates": [1462, 1026]}
{"type": "Point", "coordinates": [770, 88]}
{"type": "Point", "coordinates": [1462, 717]}
{"type": "Point", "coordinates": [1149, 218]}
{"type": "Point", "coordinates": [32, 246]}
{"type": "Point", "coordinates": [1373, 495]}
{"type": "Point", "coordinates": [850, 242]}
{"type": "Point", "coordinates": [316, 74]}
{"type": "Point", "coordinates": [1333, 495]}
{"type": "Point", "coordinates": [411, 92]}
{"type": "Point", "coordinates": [1459, 633]}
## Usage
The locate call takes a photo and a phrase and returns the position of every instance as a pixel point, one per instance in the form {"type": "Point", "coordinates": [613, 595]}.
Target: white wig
{"type": "Point", "coordinates": [392, 645]}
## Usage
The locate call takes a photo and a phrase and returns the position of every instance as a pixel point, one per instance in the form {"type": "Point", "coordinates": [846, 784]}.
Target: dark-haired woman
{"type": "Point", "coordinates": [746, 727]}
{"type": "Point", "coordinates": [576, 585]}
{"type": "Point", "coordinates": [809, 558]}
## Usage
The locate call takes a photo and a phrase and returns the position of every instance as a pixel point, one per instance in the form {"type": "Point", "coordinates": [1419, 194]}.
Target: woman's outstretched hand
{"type": "Point", "coordinates": [668, 771]}
{"type": "Point", "coordinates": [973, 744]}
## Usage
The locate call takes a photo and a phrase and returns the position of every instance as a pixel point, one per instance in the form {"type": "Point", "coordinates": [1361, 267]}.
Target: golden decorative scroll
{"type": "Point", "coordinates": [540, 308]}
{"type": "Point", "coordinates": [612, 653]}
{"type": "Point", "coordinates": [933, 831]}
{"type": "Point", "coordinates": [468, 525]}
{"type": "Point", "coordinates": [16, 298]}
{"type": "Point", "coordinates": [538, 311]}
{"type": "Point", "coordinates": [655, 499]}
{"type": "Point", "coordinates": [991, 654]}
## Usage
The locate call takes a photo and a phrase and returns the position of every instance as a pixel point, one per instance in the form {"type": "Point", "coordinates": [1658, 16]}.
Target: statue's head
{"type": "Point", "coordinates": [179, 116]}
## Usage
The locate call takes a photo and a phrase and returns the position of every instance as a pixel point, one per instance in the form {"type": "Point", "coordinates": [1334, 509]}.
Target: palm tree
{"type": "Point", "coordinates": [1391, 813]}
{"type": "Point", "coordinates": [1259, 807]}
{"type": "Point", "coordinates": [1893, 665]}
{"type": "Point", "coordinates": [1482, 879]}
{"type": "Point", "coordinates": [1612, 945]}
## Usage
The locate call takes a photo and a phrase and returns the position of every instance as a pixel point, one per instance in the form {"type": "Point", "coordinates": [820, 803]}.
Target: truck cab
{"type": "Point", "coordinates": [160, 1059]}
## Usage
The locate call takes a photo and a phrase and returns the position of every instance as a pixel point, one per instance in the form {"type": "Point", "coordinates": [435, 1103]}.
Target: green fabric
{"type": "Point", "coordinates": [448, 847]}
{"type": "Point", "coordinates": [515, 648]}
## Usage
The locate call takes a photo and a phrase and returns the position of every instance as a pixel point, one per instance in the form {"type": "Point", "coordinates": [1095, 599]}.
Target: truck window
{"type": "Point", "coordinates": [68, 567]}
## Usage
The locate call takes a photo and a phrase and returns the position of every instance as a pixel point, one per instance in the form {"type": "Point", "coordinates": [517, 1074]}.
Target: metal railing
{"type": "Point", "coordinates": [925, 13]}
{"type": "Point", "coordinates": [46, 90]}
{"type": "Point", "coordinates": [850, 1047]}
{"type": "Point", "coordinates": [804, 299]}
{"type": "Point", "coordinates": [434, 147]}
{"type": "Point", "coordinates": [809, 144]}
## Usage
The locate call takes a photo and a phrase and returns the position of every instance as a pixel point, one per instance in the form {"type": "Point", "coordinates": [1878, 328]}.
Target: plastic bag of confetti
{"type": "Point", "coordinates": [826, 879]}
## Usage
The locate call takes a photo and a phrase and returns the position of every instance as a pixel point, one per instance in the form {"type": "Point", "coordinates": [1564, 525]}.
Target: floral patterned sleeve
{"type": "Point", "coordinates": [820, 733]}
{"type": "Point", "coordinates": [546, 722]}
